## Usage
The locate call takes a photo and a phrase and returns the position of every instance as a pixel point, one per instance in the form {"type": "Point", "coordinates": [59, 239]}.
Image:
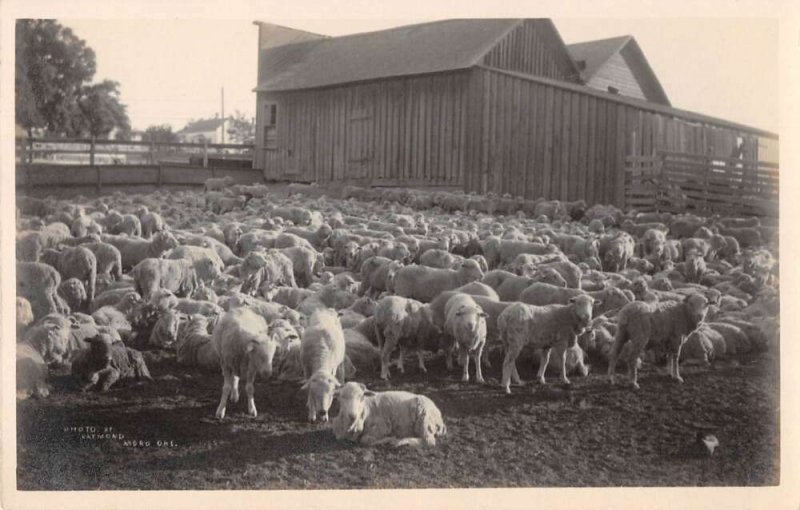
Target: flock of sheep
{"type": "Point", "coordinates": [318, 291]}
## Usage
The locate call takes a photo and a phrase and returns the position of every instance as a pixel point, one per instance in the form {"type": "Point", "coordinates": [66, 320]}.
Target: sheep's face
{"type": "Point", "coordinates": [471, 270]}
{"type": "Point", "coordinates": [551, 276]}
{"type": "Point", "coordinates": [284, 334]}
{"type": "Point", "coordinates": [614, 298]}
{"type": "Point", "coordinates": [472, 319]}
{"type": "Point", "coordinates": [582, 305]}
{"type": "Point", "coordinates": [351, 251]}
{"type": "Point", "coordinates": [24, 312]}
{"type": "Point", "coordinates": [259, 356]}
{"type": "Point", "coordinates": [352, 406]}
{"type": "Point", "coordinates": [321, 388]}
{"type": "Point", "coordinates": [696, 306]}
{"type": "Point", "coordinates": [100, 351]}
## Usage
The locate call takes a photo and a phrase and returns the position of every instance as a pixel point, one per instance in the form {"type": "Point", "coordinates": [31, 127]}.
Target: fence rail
{"type": "Point", "coordinates": [91, 151]}
{"type": "Point", "coordinates": [678, 182]}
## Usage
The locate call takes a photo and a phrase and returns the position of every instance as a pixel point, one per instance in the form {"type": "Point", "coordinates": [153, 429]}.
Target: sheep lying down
{"type": "Point", "coordinates": [398, 418]}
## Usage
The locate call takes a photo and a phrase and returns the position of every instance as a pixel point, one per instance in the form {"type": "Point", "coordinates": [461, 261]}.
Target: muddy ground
{"type": "Point", "coordinates": [591, 434]}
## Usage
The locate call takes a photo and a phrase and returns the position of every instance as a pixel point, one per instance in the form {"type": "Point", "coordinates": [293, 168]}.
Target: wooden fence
{"type": "Point", "coordinates": [91, 151]}
{"type": "Point", "coordinates": [679, 182]}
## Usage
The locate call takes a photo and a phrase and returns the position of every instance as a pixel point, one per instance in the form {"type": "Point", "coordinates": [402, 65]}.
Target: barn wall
{"type": "Point", "coordinates": [534, 47]}
{"type": "Point", "coordinates": [544, 140]}
{"type": "Point", "coordinates": [405, 131]}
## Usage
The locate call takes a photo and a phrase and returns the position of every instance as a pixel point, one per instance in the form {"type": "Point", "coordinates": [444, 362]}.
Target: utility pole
{"type": "Point", "coordinates": [223, 114]}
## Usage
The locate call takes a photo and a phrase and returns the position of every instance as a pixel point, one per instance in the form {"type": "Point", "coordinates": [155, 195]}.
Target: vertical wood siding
{"type": "Point", "coordinates": [389, 132]}
{"type": "Point", "coordinates": [530, 48]}
{"type": "Point", "coordinates": [541, 140]}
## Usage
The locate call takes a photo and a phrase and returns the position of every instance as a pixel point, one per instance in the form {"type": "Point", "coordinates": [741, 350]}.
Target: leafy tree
{"type": "Point", "coordinates": [102, 111]}
{"type": "Point", "coordinates": [54, 69]}
{"type": "Point", "coordinates": [162, 134]}
{"type": "Point", "coordinates": [241, 129]}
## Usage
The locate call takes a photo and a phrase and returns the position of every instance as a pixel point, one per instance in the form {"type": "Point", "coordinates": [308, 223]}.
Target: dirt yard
{"type": "Point", "coordinates": [163, 435]}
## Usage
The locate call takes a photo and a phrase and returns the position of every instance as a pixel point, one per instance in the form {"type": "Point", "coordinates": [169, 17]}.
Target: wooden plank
{"type": "Point", "coordinates": [591, 143]}
{"type": "Point", "coordinates": [618, 182]}
{"type": "Point", "coordinates": [600, 155]}
{"type": "Point", "coordinates": [566, 113]}
{"type": "Point", "coordinates": [582, 170]}
{"type": "Point", "coordinates": [574, 147]}
{"type": "Point", "coordinates": [548, 142]}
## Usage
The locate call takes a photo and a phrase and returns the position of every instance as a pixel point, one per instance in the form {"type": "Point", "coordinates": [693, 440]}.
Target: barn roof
{"type": "Point", "coordinates": [414, 49]}
{"type": "Point", "coordinates": [594, 54]}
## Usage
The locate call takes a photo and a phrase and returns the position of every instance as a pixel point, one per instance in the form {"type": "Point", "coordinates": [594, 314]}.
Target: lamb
{"type": "Point", "coordinates": [542, 294]}
{"type": "Point", "coordinates": [113, 318]}
{"type": "Point", "coordinates": [424, 284]}
{"type": "Point", "coordinates": [50, 337]}
{"type": "Point", "coordinates": [152, 222]}
{"type": "Point", "coordinates": [128, 224]}
{"type": "Point", "coordinates": [31, 373]}
{"type": "Point", "coordinates": [38, 283]}
{"type": "Point", "coordinates": [616, 250]}
{"type": "Point", "coordinates": [176, 276]}
{"type": "Point", "coordinates": [665, 324]}
{"type": "Point", "coordinates": [78, 262]}
{"type": "Point", "coordinates": [298, 215]}
{"type": "Point", "coordinates": [512, 287]}
{"type": "Point", "coordinates": [194, 346]}
{"type": "Point", "coordinates": [289, 296]}
{"type": "Point", "coordinates": [221, 204]}
{"type": "Point", "coordinates": [306, 263]}
{"type": "Point", "coordinates": [465, 322]}
{"type": "Point", "coordinates": [376, 274]}
{"type": "Point", "coordinates": [400, 322]}
{"type": "Point", "coordinates": [329, 296]}
{"type": "Point", "coordinates": [165, 331]}
{"type": "Point", "coordinates": [109, 260]}
{"type": "Point", "coordinates": [224, 253]}
{"type": "Point", "coordinates": [499, 251]}
{"type": "Point", "coordinates": [262, 271]}
{"type": "Point", "coordinates": [207, 264]}
{"type": "Point", "coordinates": [395, 417]}
{"type": "Point", "coordinates": [268, 311]}
{"type": "Point", "coordinates": [317, 238]}
{"type": "Point", "coordinates": [73, 293]}
{"type": "Point", "coordinates": [545, 327]}
{"type": "Point", "coordinates": [107, 361]}
{"type": "Point", "coordinates": [322, 351]}
{"type": "Point", "coordinates": [134, 250]}
{"type": "Point", "coordinates": [570, 272]}
{"type": "Point", "coordinates": [254, 239]}
{"type": "Point", "coordinates": [241, 337]}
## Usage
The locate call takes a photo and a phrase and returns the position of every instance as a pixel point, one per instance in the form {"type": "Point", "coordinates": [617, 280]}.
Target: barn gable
{"type": "Point", "coordinates": [534, 47]}
{"type": "Point", "coordinates": [618, 64]}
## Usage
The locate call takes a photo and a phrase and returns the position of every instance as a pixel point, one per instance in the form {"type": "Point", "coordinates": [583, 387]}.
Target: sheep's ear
{"type": "Point", "coordinates": [250, 347]}
{"type": "Point", "coordinates": [304, 386]}
{"type": "Point", "coordinates": [363, 386]}
{"type": "Point", "coordinates": [483, 314]}
{"type": "Point", "coordinates": [573, 299]}
{"type": "Point", "coordinates": [598, 302]}
{"type": "Point", "coordinates": [369, 393]}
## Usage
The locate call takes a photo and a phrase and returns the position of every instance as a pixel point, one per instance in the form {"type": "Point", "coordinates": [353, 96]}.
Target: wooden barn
{"type": "Point", "coordinates": [482, 105]}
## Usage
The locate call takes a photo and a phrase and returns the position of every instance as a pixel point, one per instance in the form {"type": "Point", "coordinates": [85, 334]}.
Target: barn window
{"type": "Point", "coordinates": [270, 126]}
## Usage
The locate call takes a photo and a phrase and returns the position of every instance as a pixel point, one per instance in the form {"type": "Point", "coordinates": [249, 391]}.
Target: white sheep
{"type": "Point", "coordinates": [545, 327]}
{"type": "Point", "coordinates": [663, 326]}
{"type": "Point", "coordinates": [465, 322]}
{"type": "Point", "coordinates": [194, 346]}
{"type": "Point", "coordinates": [245, 348]}
{"type": "Point", "coordinates": [134, 250]}
{"type": "Point", "coordinates": [207, 264]}
{"type": "Point", "coordinates": [425, 283]}
{"type": "Point", "coordinates": [177, 276]}
{"type": "Point", "coordinates": [395, 417]}
{"type": "Point", "coordinates": [38, 283]}
{"type": "Point", "coordinates": [215, 184]}
{"type": "Point", "coordinates": [322, 351]}
{"type": "Point", "coordinates": [77, 262]}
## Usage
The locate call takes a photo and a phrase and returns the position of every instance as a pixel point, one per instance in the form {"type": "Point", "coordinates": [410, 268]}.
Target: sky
{"type": "Point", "coordinates": [171, 71]}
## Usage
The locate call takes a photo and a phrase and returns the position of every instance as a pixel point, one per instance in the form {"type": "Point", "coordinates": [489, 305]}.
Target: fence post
{"type": "Point", "coordinates": [205, 154]}
{"type": "Point", "coordinates": [152, 153]}
{"type": "Point", "coordinates": [91, 151]}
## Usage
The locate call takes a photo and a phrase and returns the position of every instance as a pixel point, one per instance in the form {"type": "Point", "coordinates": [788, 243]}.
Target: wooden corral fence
{"type": "Point", "coordinates": [679, 182]}
{"type": "Point", "coordinates": [91, 151]}
{"type": "Point", "coordinates": [60, 166]}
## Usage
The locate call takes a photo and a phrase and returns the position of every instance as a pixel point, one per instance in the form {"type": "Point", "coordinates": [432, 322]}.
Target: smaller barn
{"type": "Point", "coordinates": [618, 66]}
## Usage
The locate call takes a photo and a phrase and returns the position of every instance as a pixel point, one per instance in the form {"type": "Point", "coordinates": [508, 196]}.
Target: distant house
{"type": "Point", "coordinates": [618, 66]}
{"type": "Point", "coordinates": [204, 130]}
{"type": "Point", "coordinates": [500, 105]}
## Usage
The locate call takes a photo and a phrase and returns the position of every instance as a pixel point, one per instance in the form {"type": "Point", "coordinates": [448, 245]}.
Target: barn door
{"type": "Point", "coordinates": [359, 133]}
